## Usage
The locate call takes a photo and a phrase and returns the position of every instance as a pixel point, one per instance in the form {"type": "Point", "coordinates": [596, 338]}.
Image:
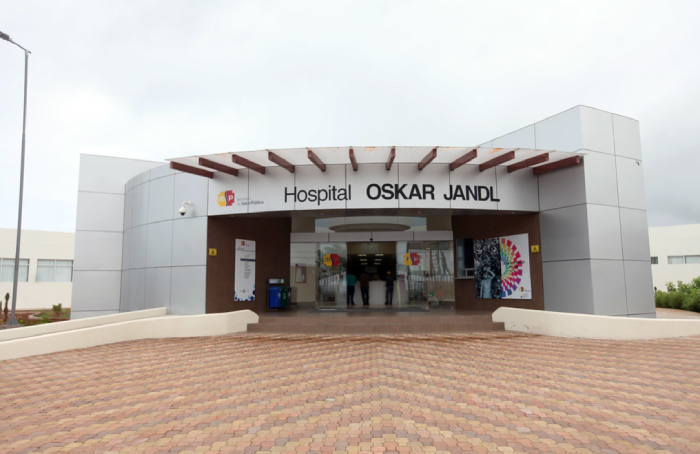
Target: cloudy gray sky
{"type": "Point", "coordinates": [158, 79]}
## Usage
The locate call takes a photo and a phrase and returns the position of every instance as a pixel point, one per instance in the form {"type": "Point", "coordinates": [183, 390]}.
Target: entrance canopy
{"type": "Point", "coordinates": [351, 181]}
{"type": "Point", "coordinates": [260, 160]}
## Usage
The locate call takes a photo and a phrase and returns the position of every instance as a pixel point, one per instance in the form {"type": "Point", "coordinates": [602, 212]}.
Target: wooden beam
{"type": "Point", "coordinates": [204, 162]}
{"type": "Point", "coordinates": [390, 161]}
{"type": "Point", "coordinates": [557, 165]}
{"type": "Point", "coordinates": [529, 162]}
{"type": "Point", "coordinates": [427, 159]}
{"type": "Point", "coordinates": [277, 159]}
{"type": "Point", "coordinates": [496, 161]}
{"type": "Point", "coordinates": [353, 161]}
{"type": "Point", "coordinates": [249, 164]}
{"type": "Point", "coordinates": [316, 160]}
{"type": "Point", "coordinates": [189, 169]}
{"type": "Point", "coordinates": [463, 160]}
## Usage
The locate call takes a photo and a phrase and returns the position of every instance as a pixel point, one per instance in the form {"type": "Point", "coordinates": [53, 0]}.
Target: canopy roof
{"type": "Point", "coordinates": [258, 160]}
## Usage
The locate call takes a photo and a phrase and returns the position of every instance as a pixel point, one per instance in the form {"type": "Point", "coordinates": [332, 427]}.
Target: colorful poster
{"type": "Point", "coordinates": [502, 267]}
{"type": "Point", "coordinates": [515, 267]}
{"type": "Point", "coordinates": [245, 271]}
{"type": "Point", "coordinates": [487, 268]}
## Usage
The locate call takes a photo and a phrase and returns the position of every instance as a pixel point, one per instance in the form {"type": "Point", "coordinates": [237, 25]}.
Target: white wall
{"type": "Point", "coordinates": [675, 240]}
{"type": "Point", "coordinates": [97, 268]}
{"type": "Point", "coordinates": [38, 245]}
{"type": "Point", "coordinates": [593, 223]}
{"type": "Point", "coordinates": [164, 256]}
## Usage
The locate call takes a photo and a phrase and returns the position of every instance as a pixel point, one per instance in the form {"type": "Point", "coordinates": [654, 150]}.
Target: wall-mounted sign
{"type": "Point", "coordinates": [372, 186]}
{"type": "Point", "coordinates": [244, 289]}
{"type": "Point", "coordinates": [411, 258]}
{"type": "Point", "coordinates": [535, 248]}
{"type": "Point", "coordinates": [212, 252]}
{"type": "Point", "coordinates": [331, 260]}
{"type": "Point", "coordinates": [502, 267]}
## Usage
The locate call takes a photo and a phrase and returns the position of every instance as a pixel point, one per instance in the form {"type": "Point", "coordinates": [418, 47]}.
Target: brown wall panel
{"type": "Point", "coordinates": [480, 227]}
{"type": "Point", "coordinates": [271, 258]}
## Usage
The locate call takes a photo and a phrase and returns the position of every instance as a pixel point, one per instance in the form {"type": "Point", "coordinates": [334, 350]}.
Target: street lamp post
{"type": "Point", "coordinates": [13, 320]}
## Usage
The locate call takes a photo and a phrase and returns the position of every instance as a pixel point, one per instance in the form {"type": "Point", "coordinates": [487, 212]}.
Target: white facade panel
{"type": "Point", "coordinates": [468, 177]}
{"type": "Point", "coordinates": [563, 188]}
{"type": "Point", "coordinates": [265, 196]}
{"type": "Point", "coordinates": [126, 250]}
{"type": "Point", "coordinates": [630, 183]}
{"type": "Point", "coordinates": [609, 297]}
{"type": "Point", "coordinates": [418, 183]}
{"type": "Point", "coordinates": [564, 234]}
{"type": "Point", "coordinates": [139, 246]}
{"type": "Point", "coordinates": [137, 288]}
{"type": "Point", "coordinates": [188, 290]}
{"type": "Point", "coordinates": [635, 234]}
{"type": "Point", "coordinates": [141, 178]}
{"type": "Point", "coordinates": [195, 189]}
{"type": "Point", "coordinates": [190, 242]}
{"type": "Point", "coordinates": [313, 185]}
{"type": "Point", "coordinates": [139, 210]}
{"type": "Point", "coordinates": [604, 237]}
{"type": "Point", "coordinates": [561, 132]}
{"type": "Point", "coordinates": [98, 251]}
{"type": "Point", "coordinates": [162, 171]}
{"type": "Point", "coordinates": [627, 137]}
{"type": "Point", "coordinates": [124, 295]}
{"type": "Point", "coordinates": [219, 187]}
{"type": "Point", "coordinates": [102, 212]}
{"type": "Point", "coordinates": [109, 175]}
{"type": "Point", "coordinates": [160, 244]}
{"type": "Point", "coordinates": [600, 178]}
{"type": "Point", "coordinates": [160, 199]}
{"type": "Point", "coordinates": [128, 209]}
{"type": "Point", "coordinates": [366, 175]}
{"type": "Point", "coordinates": [567, 286]}
{"type": "Point", "coordinates": [597, 130]}
{"type": "Point", "coordinates": [522, 138]}
{"type": "Point", "coordinates": [392, 236]}
{"type": "Point", "coordinates": [640, 289]}
{"type": "Point", "coordinates": [518, 191]}
{"type": "Point", "coordinates": [157, 292]}
{"type": "Point", "coordinates": [96, 290]}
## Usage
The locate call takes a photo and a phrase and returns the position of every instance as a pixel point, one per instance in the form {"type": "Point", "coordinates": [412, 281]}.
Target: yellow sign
{"type": "Point", "coordinates": [407, 259]}
{"type": "Point", "coordinates": [535, 248]}
{"type": "Point", "coordinates": [212, 252]}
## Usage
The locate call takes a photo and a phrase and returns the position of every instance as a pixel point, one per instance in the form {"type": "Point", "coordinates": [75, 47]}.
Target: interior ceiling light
{"type": "Point", "coordinates": [361, 255]}
{"type": "Point", "coordinates": [379, 255]}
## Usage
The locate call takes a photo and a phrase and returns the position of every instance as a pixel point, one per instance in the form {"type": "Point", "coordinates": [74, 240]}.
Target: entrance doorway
{"type": "Point", "coordinates": [422, 271]}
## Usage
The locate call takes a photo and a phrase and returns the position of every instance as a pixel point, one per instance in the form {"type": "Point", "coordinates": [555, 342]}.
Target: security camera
{"type": "Point", "coordinates": [182, 209]}
{"type": "Point", "coordinates": [371, 239]}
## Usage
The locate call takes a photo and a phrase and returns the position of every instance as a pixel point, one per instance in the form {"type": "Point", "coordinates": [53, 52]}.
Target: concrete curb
{"type": "Point", "coordinates": [149, 328]}
{"type": "Point", "coordinates": [38, 330]}
{"type": "Point", "coordinates": [561, 324]}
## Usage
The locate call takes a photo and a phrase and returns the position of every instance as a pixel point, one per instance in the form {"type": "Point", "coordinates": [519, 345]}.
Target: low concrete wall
{"type": "Point", "coordinates": [151, 328]}
{"type": "Point", "coordinates": [56, 327]}
{"type": "Point", "coordinates": [562, 324]}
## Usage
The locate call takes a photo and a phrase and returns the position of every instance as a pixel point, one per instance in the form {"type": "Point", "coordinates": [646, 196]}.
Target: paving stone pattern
{"type": "Point", "coordinates": [461, 393]}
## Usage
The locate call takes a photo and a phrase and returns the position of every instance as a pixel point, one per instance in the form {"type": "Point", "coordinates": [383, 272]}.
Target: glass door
{"type": "Point", "coordinates": [426, 272]}
{"type": "Point", "coordinates": [332, 261]}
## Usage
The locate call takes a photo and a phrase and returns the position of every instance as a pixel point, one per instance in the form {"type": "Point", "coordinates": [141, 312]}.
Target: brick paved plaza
{"type": "Point", "coordinates": [490, 392]}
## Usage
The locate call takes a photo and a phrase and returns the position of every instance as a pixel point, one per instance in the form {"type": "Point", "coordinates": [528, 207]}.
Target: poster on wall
{"type": "Point", "coordinates": [245, 271]}
{"type": "Point", "coordinates": [502, 267]}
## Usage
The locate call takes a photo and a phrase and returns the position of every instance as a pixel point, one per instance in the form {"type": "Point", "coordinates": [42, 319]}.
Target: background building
{"type": "Point", "coordinates": [46, 268]}
{"type": "Point", "coordinates": [675, 254]}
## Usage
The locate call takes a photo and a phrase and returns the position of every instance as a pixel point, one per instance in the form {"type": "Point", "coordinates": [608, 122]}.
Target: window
{"type": "Point", "coordinates": [676, 260]}
{"type": "Point", "coordinates": [54, 271]}
{"type": "Point", "coordinates": [654, 260]}
{"type": "Point", "coordinates": [7, 270]}
{"type": "Point", "coordinates": [694, 259]}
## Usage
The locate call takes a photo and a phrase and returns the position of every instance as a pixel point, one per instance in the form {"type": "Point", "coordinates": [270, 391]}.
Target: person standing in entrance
{"type": "Point", "coordinates": [351, 281]}
{"type": "Point", "coordinates": [389, 288]}
{"type": "Point", "coordinates": [364, 288]}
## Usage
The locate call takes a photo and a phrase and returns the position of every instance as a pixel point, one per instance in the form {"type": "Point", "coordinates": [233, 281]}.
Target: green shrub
{"type": "Point", "coordinates": [676, 300]}
{"type": "Point", "coordinates": [670, 287]}
{"type": "Point", "coordinates": [57, 309]}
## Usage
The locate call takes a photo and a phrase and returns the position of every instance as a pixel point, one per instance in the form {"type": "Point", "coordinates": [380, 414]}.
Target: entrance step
{"type": "Point", "coordinates": [375, 324]}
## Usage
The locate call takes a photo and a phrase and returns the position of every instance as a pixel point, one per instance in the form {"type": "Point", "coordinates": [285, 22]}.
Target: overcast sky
{"type": "Point", "coordinates": [160, 79]}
